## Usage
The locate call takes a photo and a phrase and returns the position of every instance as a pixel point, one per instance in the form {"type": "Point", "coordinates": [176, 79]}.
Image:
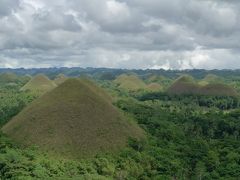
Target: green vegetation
{"type": "Point", "coordinates": [164, 82]}
{"type": "Point", "coordinates": [219, 102]}
{"type": "Point", "coordinates": [189, 143]}
{"type": "Point", "coordinates": [210, 78]}
{"type": "Point", "coordinates": [12, 103]}
{"type": "Point", "coordinates": [9, 80]}
{"type": "Point", "coordinates": [29, 163]}
{"type": "Point", "coordinates": [81, 135]}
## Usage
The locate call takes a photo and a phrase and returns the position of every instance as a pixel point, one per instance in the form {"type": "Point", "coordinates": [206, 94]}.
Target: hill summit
{"type": "Point", "coordinates": [74, 119]}
{"type": "Point", "coordinates": [39, 84]}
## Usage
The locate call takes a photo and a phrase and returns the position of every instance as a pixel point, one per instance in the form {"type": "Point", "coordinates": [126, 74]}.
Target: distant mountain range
{"type": "Point", "coordinates": [106, 73]}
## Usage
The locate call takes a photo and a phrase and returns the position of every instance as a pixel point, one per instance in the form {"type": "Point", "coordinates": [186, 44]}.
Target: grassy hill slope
{"type": "Point", "coordinates": [39, 84]}
{"type": "Point", "coordinates": [60, 79]}
{"type": "Point", "coordinates": [187, 85]}
{"type": "Point", "coordinates": [153, 87]}
{"type": "Point", "coordinates": [218, 90]}
{"type": "Point", "coordinates": [210, 78]}
{"type": "Point", "coordinates": [8, 77]}
{"type": "Point", "coordinates": [12, 79]}
{"type": "Point", "coordinates": [74, 119]}
{"type": "Point", "coordinates": [130, 82]}
{"type": "Point", "coordinates": [183, 85]}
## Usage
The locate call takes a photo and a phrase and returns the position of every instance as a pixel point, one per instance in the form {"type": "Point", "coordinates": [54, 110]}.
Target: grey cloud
{"type": "Point", "coordinates": [49, 20]}
{"type": "Point", "coordinates": [120, 33]}
{"type": "Point", "coordinates": [202, 16]}
{"type": "Point", "coordinates": [8, 6]}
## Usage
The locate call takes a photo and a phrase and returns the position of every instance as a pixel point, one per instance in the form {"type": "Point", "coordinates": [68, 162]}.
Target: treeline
{"type": "Point", "coordinates": [12, 102]}
{"type": "Point", "coordinates": [221, 102]}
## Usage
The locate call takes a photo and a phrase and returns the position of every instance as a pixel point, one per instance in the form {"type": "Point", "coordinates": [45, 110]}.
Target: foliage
{"type": "Point", "coordinates": [12, 102]}
{"type": "Point", "coordinates": [188, 137]}
{"type": "Point", "coordinates": [189, 144]}
{"type": "Point", "coordinates": [221, 102]}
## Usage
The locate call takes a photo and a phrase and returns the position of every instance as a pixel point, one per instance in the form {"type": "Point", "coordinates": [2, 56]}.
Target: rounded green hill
{"type": "Point", "coordinates": [209, 79]}
{"type": "Point", "coordinates": [183, 85]}
{"type": "Point", "coordinates": [60, 79]}
{"type": "Point", "coordinates": [11, 78]}
{"type": "Point", "coordinates": [74, 120]}
{"type": "Point", "coordinates": [39, 84]}
{"type": "Point", "coordinates": [187, 85]}
{"type": "Point", "coordinates": [154, 87]}
{"type": "Point", "coordinates": [218, 89]}
{"type": "Point", "coordinates": [8, 77]}
{"type": "Point", "coordinates": [130, 82]}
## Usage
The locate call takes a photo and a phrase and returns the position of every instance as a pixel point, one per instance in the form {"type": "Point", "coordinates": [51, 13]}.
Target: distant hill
{"type": "Point", "coordinates": [218, 90]}
{"type": "Point", "coordinates": [112, 73]}
{"type": "Point", "coordinates": [162, 80]}
{"type": "Point", "coordinates": [11, 78]}
{"type": "Point", "coordinates": [183, 85]}
{"type": "Point", "coordinates": [186, 79]}
{"type": "Point", "coordinates": [154, 87]}
{"type": "Point", "coordinates": [130, 82]}
{"type": "Point", "coordinates": [187, 85]}
{"type": "Point", "coordinates": [73, 120]}
{"type": "Point", "coordinates": [210, 78]}
{"type": "Point", "coordinates": [39, 84]}
{"type": "Point", "coordinates": [8, 78]}
{"type": "Point", "coordinates": [107, 76]}
{"type": "Point", "coordinates": [59, 79]}
{"type": "Point", "coordinates": [156, 78]}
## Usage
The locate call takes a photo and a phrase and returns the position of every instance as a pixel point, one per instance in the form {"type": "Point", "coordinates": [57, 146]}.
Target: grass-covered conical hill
{"type": "Point", "coordinates": [9, 78]}
{"type": "Point", "coordinates": [73, 120]}
{"type": "Point", "coordinates": [210, 79]}
{"type": "Point", "coordinates": [163, 81]}
{"type": "Point", "coordinates": [187, 85]}
{"type": "Point", "coordinates": [130, 82]}
{"type": "Point", "coordinates": [39, 84]}
{"type": "Point", "coordinates": [183, 85]}
{"type": "Point", "coordinates": [154, 87]}
{"type": "Point", "coordinates": [59, 79]}
{"type": "Point", "coordinates": [218, 89]}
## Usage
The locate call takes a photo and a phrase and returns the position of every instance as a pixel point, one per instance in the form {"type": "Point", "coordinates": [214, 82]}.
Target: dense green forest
{"type": "Point", "coordinates": [187, 137]}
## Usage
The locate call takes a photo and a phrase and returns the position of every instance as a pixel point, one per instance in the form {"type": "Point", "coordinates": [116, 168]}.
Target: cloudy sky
{"type": "Point", "coordinates": [176, 34]}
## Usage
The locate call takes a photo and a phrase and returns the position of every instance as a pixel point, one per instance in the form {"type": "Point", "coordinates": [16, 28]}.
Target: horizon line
{"type": "Point", "coordinates": [143, 69]}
